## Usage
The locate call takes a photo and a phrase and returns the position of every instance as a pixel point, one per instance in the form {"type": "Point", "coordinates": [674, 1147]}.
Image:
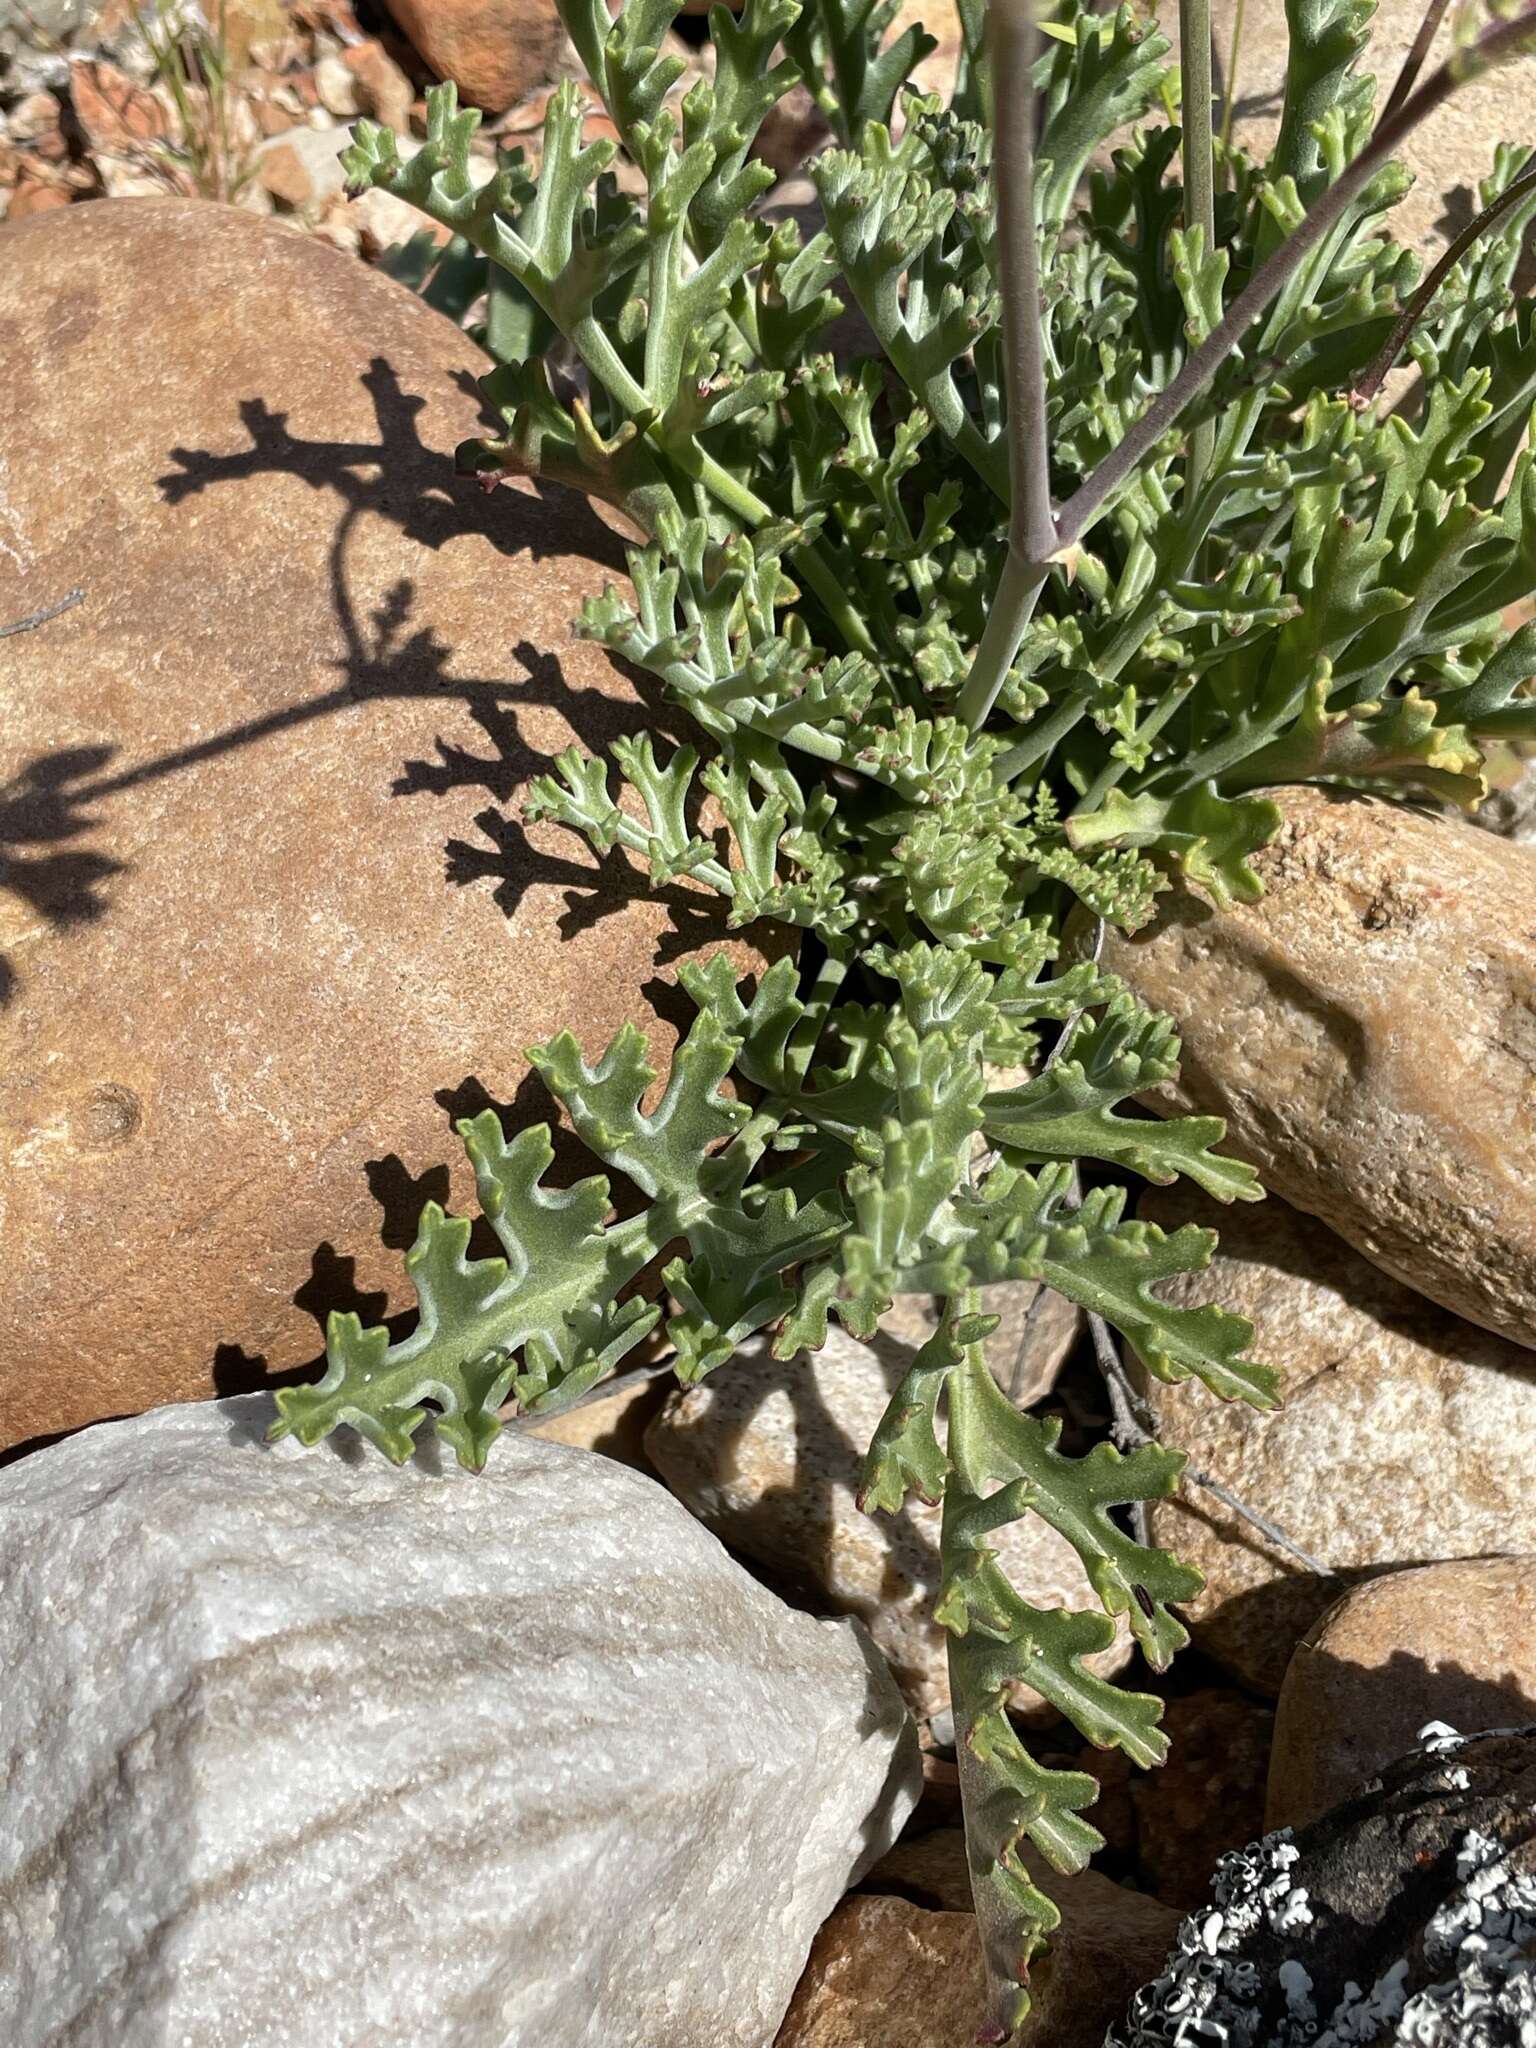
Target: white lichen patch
{"type": "Point", "coordinates": [1479, 1945]}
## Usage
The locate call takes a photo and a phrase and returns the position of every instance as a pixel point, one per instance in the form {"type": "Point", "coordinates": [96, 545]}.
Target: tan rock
{"type": "Point", "coordinates": [268, 921]}
{"type": "Point", "coordinates": [336, 87]}
{"type": "Point", "coordinates": [37, 119]}
{"type": "Point", "coordinates": [384, 92]}
{"type": "Point", "coordinates": [1446, 1642]}
{"type": "Point", "coordinates": [1036, 1329]}
{"type": "Point", "coordinates": [1208, 1797]}
{"type": "Point", "coordinates": [285, 176]}
{"type": "Point", "coordinates": [495, 51]}
{"type": "Point", "coordinates": [38, 189]}
{"type": "Point", "coordinates": [116, 116]}
{"type": "Point", "coordinates": [301, 167]}
{"type": "Point", "coordinates": [1403, 1434]}
{"type": "Point", "coordinates": [932, 1871]}
{"type": "Point", "coordinates": [614, 1427]}
{"type": "Point", "coordinates": [770, 1455]}
{"type": "Point", "coordinates": [246, 25]}
{"type": "Point", "coordinates": [887, 1973]}
{"type": "Point", "coordinates": [1368, 1030]}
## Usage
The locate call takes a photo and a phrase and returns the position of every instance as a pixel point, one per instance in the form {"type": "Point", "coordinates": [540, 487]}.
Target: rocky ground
{"type": "Point", "coordinates": [305, 650]}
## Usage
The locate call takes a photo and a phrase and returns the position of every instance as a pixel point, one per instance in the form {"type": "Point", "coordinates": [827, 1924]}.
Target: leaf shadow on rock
{"type": "Point", "coordinates": [416, 487]}
{"type": "Point", "coordinates": [44, 805]}
{"type": "Point", "coordinates": [391, 653]}
{"type": "Point", "coordinates": [1389, 1704]}
{"type": "Point", "coordinates": [816, 1500]}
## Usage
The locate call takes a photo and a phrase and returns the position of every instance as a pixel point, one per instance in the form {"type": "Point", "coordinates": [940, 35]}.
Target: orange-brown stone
{"type": "Point", "coordinates": [269, 917]}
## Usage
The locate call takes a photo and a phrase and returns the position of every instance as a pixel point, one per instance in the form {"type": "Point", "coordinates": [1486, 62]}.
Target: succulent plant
{"type": "Point", "coordinates": [990, 621]}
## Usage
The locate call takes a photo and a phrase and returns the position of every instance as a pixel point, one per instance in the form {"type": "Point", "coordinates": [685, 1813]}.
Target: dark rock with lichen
{"type": "Point", "coordinates": [1405, 1918]}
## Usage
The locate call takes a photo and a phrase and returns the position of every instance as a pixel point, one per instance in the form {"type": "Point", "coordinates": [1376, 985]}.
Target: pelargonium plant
{"type": "Point", "coordinates": [991, 623]}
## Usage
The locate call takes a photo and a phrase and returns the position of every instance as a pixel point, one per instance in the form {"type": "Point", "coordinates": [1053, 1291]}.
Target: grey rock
{"type": "Point", "coordinates": [1403, 1919]}
{"type": "Point", "coordinates": [302, 1751]}
{"type": "Point", "coordinates": [32, 32]}
{"type": "Point", "coordinates": [770, 1455]}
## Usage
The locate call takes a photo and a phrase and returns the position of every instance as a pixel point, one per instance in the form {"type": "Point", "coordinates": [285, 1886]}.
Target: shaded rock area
{"type": "Point", "coordinates": [1449, 1642]}
{"type": "Point", "coordinates": [217, 1074]}
{"type": "Point", "coordinates": [769, 1455]}
{"type": "Point", "coordinates": [352, 1751]}
{"type": "Point", "coordinates": [1403, 1433]}
{"type": "Point", "coordinates": [1208, 1797]}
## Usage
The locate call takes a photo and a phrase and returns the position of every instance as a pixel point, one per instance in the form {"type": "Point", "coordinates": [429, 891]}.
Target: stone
{"type": "Point", "coordinates": [1405, 1918]}
{"type": "Point", "coordinates": [37, 119]}
{"type": "Point", "coordinates": [614, 1426]}
{"type": "Point", "coordinates": [38, 189]}
{"type": "Point", "coordinates": [769, 1456]}
{"type": "Point", "coordinates": [1208, 1797]}
{"type": "Point", "coordinates": [1403, 1434]}
{"type": "Point", "coordinates": [337, 88]}
{"type": "Point", "coordinates": [337, 1752]}
{"type": "Point", "coordinates": [1452, 1642]}
{"type": "Point", "coordinates": [384, 92]}
{"type": "Point", "coordinates": [1036, 1330]}
{"type": "Point", "coordinates": [117, 117]}
{"type": "Point", "coordinates": [1368, 1030]}
{"type": "Point", "coordinates": [888, 1972]}
{"type": "Point", "coordinates": [495, 51]}
{"type": "Point", "coordinates": [269, 918]}
{"type": "Point", "coordinates": [301, 166]}
{"type": "Point", "coordinates": [30, 25]}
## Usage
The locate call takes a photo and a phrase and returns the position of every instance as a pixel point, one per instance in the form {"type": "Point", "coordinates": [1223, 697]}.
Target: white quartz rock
{"type": "Point", "coordinates": [301, 1751]}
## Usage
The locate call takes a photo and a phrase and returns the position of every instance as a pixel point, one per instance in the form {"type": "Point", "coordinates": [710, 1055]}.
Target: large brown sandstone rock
{"type": "Point", "coordinates": [1454, 1643]}
{"type": "Point", "coordinates": [1368, 1030]}
{"type": "Point", "coordinates": [269, 919]}
{"type": "Point", "coordinates": [1403, 1434]}
{"type": "Point", "coordinates": [495, 51]}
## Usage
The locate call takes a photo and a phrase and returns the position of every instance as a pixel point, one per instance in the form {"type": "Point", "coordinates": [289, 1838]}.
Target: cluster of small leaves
{"type": "Point", "coordinates": [809, 426]}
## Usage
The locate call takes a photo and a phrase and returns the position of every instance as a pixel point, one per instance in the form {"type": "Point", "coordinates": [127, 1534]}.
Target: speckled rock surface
{"type": "Point", "coordinates": [1368, 1030]}
{"type": "Point", "coordinates": [614, 1427]}
{"type": "Point", "coordinates": [1403, 1919]}
{"type": "Point", "coordinates": [904, 1970]}
{"type": "Point", "coordinates": [1447, 1642]}
{"type": "Point", "coordinates": [1404, 1435]}
{"type": "Point", "coordinates": [268, 918]}
{"type": "Point", "coordinates": [306, 1752]}
{"type": "Point", "coordinates": [769, 1457]}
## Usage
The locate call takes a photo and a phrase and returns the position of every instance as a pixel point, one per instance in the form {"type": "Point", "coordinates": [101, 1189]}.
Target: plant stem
{"type": "Point", "coordinates": [1229, 84]}
{"type": "Point", "coordinates": [1408, 319]}
{"type": "Point", "coordinates": [1413, 63]}
{"type": "Point", "coordinates": [1011, 40]}
{"type": "Point", "coordinates": [1199, 183]}
{"type": "Point", "coordinates": [1504, 40]}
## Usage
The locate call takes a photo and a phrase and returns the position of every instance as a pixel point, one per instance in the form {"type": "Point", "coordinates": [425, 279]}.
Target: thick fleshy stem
{"type": "Point", "coordinates": [1012, 38]}
{"type": "Point", "coordinates": [1199, 184]}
